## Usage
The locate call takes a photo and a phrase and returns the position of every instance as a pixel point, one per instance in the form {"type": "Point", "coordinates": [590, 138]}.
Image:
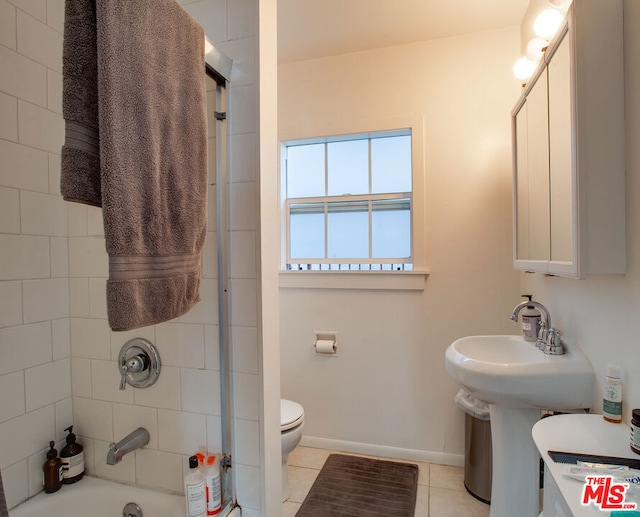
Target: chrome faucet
{"type": "Point", "coordinates": [134, 440]}
{"type": "Point", "coordinates": [549, 340]}
{"type": "Point", "coordinates": [531, 303]}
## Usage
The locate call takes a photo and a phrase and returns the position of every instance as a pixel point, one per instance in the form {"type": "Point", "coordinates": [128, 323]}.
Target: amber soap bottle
{"type": "Point", "coordinates": [72, 456]}
{"type": "Point", "coordinates": [52, 471]}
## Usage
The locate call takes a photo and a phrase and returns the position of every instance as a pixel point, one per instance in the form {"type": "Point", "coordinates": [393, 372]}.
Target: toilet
{"type": "Point", "coordinates": [291, 424]}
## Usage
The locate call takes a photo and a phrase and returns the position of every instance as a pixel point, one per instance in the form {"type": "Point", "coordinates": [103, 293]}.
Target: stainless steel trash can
{"type": "Point", "coordinates": [478, 464]}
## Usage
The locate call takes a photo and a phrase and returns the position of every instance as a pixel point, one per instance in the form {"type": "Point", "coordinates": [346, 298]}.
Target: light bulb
{"type": "Point", "coordinates": [535, 48]}
{"type": "Point", "coordinates": [524, 68]}
{"type": "Point", "coordinates": [547, 23]}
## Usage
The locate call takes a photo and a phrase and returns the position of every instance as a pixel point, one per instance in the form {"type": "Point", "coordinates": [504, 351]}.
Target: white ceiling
{"type": "Point", "coordinates": [309, 29]}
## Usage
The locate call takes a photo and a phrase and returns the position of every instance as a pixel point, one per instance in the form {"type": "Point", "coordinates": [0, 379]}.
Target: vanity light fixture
{"type": "Point", "coordinates": [547, 23]}
{"type": "Point", "coordinates": [545, 26]}
{"type": "Point", "coordinates": [535, 48]}
{"type": "Point", "coordinates": [524, 68]}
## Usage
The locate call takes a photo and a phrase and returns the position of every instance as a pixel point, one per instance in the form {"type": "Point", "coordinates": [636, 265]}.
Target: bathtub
{"type": "Point", "coordinates": [99, 498]}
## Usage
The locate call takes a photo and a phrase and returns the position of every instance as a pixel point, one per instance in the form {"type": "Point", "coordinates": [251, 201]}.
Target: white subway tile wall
{"type": "Point", "coordinates": [36, 8]}
{"type": "Point", "coordinates": [9, 108]}
{"type": "Point", "coordinates": [57, 354]}
{"type": "Point", "coordinates": [39, 42]}
{"type": "Point", "coordinates": [7, 25]}
{"type": "Point", "coordinates": [23, 78]}
{"type": "Point", "coordinates": [40, 391]}
{"type": "Point", "coordinates": [13, 406]}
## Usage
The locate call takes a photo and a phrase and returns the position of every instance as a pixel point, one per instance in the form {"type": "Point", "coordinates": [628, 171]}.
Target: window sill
{"type": "Point", "coordinates": [379, 280]}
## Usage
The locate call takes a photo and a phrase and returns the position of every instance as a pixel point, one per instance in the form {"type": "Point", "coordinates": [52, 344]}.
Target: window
{"type": "Point", "coordinates": [349, 202]}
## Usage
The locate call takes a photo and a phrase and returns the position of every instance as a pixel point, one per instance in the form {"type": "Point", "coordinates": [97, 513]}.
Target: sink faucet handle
{"type": "Point", "coordinates": [542, 335]}
{"type": "Point", "coordinates": [554, 344]}
{"type": "Point", "coordinates": [554, 336]}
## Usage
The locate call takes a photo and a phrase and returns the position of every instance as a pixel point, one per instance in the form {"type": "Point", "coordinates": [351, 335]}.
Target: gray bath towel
{"type": "Point", "coordinates": [4, 511]}
{"type": "Point", "coordinates": [152, 139]}
{"type": "Point", "coordinates": [80, 174]}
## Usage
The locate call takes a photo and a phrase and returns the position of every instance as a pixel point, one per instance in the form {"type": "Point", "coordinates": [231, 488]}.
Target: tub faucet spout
{"type": "Point", "coordinates": [134, 440]}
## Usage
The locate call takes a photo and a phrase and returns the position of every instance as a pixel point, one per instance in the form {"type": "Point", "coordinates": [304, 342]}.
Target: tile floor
{"type": "Point", "coordinates": [441, 491]}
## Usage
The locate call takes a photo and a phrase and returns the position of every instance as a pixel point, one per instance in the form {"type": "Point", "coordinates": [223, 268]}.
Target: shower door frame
{"type": "Point", "coordinates": [218, 67]}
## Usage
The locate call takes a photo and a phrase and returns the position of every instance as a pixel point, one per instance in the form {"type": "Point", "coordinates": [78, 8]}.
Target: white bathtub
{"type": "Point", "coordinates": [99, 498]}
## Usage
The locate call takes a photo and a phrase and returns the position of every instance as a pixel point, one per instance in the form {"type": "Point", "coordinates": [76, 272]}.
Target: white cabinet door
{"type": "Point", "coordinates": [562, 179]}
{"type": "Point", "coordinates": [532, 179]}
{"type": "Point", "coordinates": [568, 128]}
{"type": "Point", "coordinates": [538, 158]}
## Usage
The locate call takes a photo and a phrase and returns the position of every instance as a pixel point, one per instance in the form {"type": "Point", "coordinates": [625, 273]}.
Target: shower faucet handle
{"type": "Point", "coordinates": [136, 364]}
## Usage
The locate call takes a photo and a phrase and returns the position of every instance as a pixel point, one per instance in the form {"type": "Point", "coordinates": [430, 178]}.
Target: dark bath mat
{"type": "Point", "coordinates": [350, 486]}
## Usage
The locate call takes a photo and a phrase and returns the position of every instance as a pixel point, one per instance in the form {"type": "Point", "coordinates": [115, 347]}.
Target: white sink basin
{"type": "Point", "coordinates": [518, 380]}
{"type": "Point", "coordinates": [512, 372]}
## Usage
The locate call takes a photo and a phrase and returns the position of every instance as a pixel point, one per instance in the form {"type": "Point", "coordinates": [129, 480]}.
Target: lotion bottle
{"type": "Point", "coordinates": [612, 395]}
{"type": "Point", "coordinates": [195, 490]}
{"type": "Point", "coordinates": [72, 456]}
{"type": "Point", "coordinates": [214, 493]}
{"type": "Point", "coordinates": [530, 321]}
{"type": "Point", "coordinates": [52, 470]}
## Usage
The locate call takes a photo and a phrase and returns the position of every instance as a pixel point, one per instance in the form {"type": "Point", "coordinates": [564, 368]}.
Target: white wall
{"type": "Point", "coordinates": [269, 341]}
{"type": "Point", "coordinates": [57, 355]}
{"type": "Point", "coordinates": [599, 314]}
{"type": "Point", "coordinates": [388, 390]}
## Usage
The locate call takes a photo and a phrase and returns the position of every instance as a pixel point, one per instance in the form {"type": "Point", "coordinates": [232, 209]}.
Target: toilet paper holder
{"type": "Point", "coordinates": [326, 343]}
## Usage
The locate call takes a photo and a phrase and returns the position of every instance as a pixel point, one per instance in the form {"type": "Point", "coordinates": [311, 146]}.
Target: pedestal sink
{"type": "Point", "coordinates": [517, 380]}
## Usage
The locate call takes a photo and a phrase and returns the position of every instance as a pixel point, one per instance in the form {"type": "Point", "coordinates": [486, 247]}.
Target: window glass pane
{"type": "Point", "coordinates": [348, 167]}
{"type": "Point", "coordinates": [391, 230]}
{"type": "Point", "coordinates": [306, 234]}
{"type": "Point", "coordinates": [391, 164]}
{"type": "Point", "coordinates": [364, 166]}
{"type": "Point", "coordinates": [305, 170]}
{"type": "Point", "coordinates": [348, 230]}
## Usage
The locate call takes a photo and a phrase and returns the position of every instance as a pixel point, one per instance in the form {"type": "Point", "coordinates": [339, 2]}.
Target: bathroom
{"type": "Point", "coordinates": [391, 341]}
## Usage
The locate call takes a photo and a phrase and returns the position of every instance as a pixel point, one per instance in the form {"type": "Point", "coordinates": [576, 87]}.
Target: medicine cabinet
{"type": "Point", "coordinates": [568, 150]}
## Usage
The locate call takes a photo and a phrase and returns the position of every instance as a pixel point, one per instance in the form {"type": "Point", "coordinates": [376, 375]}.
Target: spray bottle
{"type": "Point", "coordinates": [214, 493]}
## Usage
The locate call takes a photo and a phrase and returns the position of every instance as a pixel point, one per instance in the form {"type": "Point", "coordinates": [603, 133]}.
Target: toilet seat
{"type": "Point", "coordinates": [291, 414]}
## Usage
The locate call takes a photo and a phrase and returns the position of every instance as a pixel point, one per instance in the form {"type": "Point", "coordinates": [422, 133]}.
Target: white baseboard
{"type": "Point", "coordinates": [456, 460]}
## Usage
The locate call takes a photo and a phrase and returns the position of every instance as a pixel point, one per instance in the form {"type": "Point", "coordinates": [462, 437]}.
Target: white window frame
{"type": "Point", "coordinates": [356, 199]}
{"type": "Point", "coordinates": [378, 279]}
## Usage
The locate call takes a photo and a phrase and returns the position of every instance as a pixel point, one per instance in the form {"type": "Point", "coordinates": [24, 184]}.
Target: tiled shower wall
{"type": "Point", "coordinates": [57, 354]}
{"type": "Point", "coordinates": [35, 378]}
